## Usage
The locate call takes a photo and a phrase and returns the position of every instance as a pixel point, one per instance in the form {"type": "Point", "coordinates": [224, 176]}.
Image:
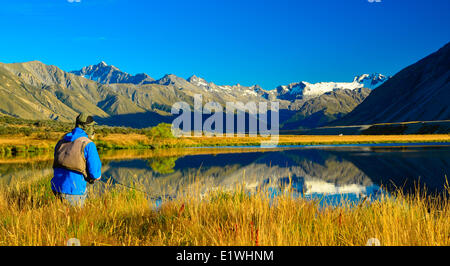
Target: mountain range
{"type": "Point", "coordinates": [34, 90]}
{"type": "Point", "coordinates": [298, 102]}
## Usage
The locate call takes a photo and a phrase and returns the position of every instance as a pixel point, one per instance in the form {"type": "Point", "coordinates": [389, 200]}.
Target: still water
{"type": "Point", "coordinates": [330, 174]}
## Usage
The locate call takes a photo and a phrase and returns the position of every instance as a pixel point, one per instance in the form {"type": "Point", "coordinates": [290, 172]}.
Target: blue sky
{"type": "Point", "coordinates": [231, 41]}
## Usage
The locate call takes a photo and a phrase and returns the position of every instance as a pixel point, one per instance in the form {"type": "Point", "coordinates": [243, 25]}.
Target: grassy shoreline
{"type": "Point", "coordinates": [30, 215]}
{"type": "Point", "coordinates": [13, 144]}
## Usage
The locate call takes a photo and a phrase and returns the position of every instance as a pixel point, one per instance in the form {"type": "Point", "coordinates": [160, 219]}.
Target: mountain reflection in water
{"type": "Point", "coordinates": [331, 174]}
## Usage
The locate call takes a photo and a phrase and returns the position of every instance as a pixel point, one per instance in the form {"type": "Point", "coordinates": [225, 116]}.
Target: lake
{"type": "Point", "coordinates": [328, 173]}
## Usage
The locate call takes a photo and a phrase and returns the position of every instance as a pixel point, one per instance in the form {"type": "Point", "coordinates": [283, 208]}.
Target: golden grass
{"type": "Point", "coordinates": [133, 139]}
{"type": "Point", "coordinates": [320, 139]}
{"type": "Point", "coordinates": [30, 215]}
{"type": "Point", "coordinates": [23, 140]}
{"type": "Point", "coordinates": [138, 141]}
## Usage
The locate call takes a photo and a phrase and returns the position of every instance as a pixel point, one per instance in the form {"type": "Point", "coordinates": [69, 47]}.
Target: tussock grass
{"type": "Point", "coordinates": [30, 215]}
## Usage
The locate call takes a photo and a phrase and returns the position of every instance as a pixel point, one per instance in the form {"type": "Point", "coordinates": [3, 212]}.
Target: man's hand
{"type": "Point", "coordinates": [90, 180]}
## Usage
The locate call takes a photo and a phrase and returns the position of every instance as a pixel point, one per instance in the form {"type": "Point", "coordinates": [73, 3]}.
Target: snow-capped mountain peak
{"type": "Point", "coordinates": [197, 81]}
{"type": "Point", "coordinates": [304, 89]}
{"type": "Point", "coordinates": [371, 81]}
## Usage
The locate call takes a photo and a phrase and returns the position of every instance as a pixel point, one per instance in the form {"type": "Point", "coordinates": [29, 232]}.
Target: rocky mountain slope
{"type": "Point", "coordinates": [420, 92]}
{"type": "Point", "coordinates": [36, 91]}
{"type": "Point", "coordinates": [103, 73]}
{"type": "Point", "coordinates": [327, 107]}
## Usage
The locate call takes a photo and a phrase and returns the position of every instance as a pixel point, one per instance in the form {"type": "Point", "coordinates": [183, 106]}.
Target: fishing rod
{"type": "Point", "coordinates": [113, 181]}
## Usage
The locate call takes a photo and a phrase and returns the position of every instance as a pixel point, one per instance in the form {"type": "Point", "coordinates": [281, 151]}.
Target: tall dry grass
{"type": "Point", "coordinates": [30, 215]}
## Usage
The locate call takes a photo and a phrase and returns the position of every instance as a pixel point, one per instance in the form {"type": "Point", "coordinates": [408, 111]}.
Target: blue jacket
{"type": "Point", "coordinates": [70, 182]}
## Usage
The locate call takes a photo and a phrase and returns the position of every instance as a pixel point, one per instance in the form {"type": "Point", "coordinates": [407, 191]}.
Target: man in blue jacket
{"type": "Point", "coordinates": [76, 162]}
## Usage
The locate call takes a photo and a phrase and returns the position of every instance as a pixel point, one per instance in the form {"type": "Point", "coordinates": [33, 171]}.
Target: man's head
{"type": "Point", "coordinates": [86, 122]}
